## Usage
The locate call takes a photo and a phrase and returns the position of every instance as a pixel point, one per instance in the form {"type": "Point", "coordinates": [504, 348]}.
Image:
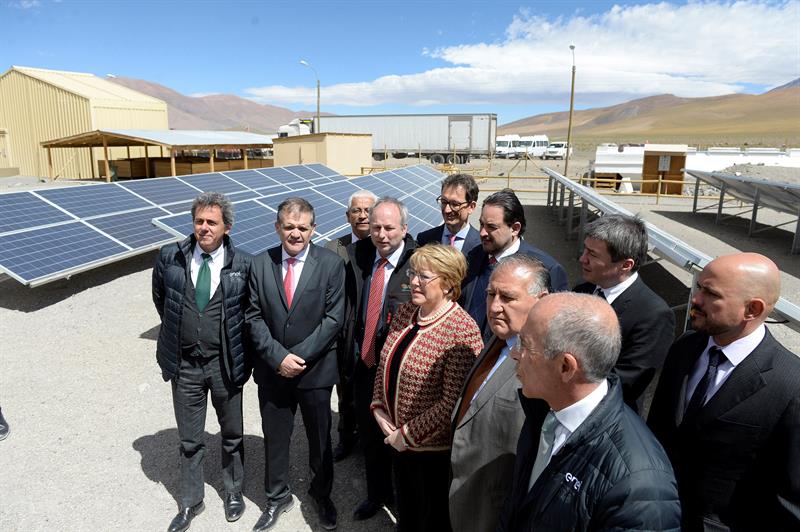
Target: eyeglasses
{"type": "Point", "coordinates": [423, 279]}
{"type": "Point", "coordinates": [455, 206]}
{"type": "Point", "coordinates": [355, 211]}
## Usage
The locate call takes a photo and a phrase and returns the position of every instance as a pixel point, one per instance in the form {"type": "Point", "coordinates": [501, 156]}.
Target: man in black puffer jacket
{"type": "Point", "coordinates": [200, 291]}
{"type": "Point", "coordinates": [585, 460]}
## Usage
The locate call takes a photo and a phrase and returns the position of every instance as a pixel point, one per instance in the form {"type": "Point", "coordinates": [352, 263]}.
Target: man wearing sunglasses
{"type": "Point", "coordinates": [458, 200]}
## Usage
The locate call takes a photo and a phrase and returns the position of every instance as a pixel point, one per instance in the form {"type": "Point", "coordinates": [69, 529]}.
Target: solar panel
{"type": "Point", "coordinates": [22, 210]}
{"type": "Point", "coordinates": [53, 233]}
{"type": "Point", "coordinates": [93, 200]}
{"type": "Point", "coordinates": [253, 229]}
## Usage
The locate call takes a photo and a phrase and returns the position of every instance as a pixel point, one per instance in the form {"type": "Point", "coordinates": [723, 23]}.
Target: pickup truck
{"type": "Point", "coordinates": [556, 150]}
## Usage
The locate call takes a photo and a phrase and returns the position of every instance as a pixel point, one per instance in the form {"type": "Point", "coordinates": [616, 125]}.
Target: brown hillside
{"type": "Point", "coordinates": [219, 111]}
{"type": "Point", "coordinates": [763, 118]}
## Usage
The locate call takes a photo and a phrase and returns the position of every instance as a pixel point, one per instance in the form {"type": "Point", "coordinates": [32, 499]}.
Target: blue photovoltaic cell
{"type": "Point", "coordinates": [252, 179]}
{"type": "Point", "coordinates": [183, 206]}
{"type": "Point", "coordinates": [213, 183]}
{"type": "Point", "coordinates": [283, 176]}
{"type": "Point", "coordinates": [33, 254]}
{"type": "Point", "coordinates": [241, 196]}
{"type": "Point", "coordinates": [93, 200]}
{"type": "Point", "coordinates": [163, 190]}
{"type": "Point", "coordinates": [378, 187]}
{"type": "Point", "coordinates": [134, 228]}
{"type": "Point", "coordinates": [23, 210]}
{"type": "Point", "coordinates": [254, 230]}
{"type": "Point", "coordinates": [306, 173]}
{"type": "Point", "coordinates": [340, 191]}
{"type": "Point", "coordinates": [323, 170]}
{"type": "Point", "coordinates": [403, 176]}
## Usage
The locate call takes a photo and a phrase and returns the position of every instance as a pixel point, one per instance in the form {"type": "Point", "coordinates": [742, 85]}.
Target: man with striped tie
{"type": "Point", "coordinates": [296, 311]}
{"type": "Point", "coordinates": [200, 292]}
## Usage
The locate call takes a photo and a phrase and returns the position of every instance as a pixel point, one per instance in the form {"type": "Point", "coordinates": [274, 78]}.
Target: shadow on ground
{"type": "Point", "coordinates": [16, 296]}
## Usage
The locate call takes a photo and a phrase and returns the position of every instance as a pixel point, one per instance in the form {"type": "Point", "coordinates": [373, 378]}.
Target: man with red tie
{"type": "Point", "coordinates": [295, 314]}
{"type": "Point", "coordinates": [380, 283]}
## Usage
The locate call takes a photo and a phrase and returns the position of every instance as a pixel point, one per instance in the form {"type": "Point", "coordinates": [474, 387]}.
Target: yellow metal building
{"type": "Point", "coordinates": [37, 105]}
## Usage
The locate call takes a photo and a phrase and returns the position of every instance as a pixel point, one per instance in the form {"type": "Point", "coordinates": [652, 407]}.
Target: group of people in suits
{"type": "Point", "coordinates": [484, 394]}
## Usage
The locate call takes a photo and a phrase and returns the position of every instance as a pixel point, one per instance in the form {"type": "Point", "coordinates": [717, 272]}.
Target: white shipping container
{"type": "Point", "coordinates": [436, 136]}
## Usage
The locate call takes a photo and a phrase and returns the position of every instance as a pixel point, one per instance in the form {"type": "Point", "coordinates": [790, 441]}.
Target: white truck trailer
{"type": "Point", "coordinates": [454, 138]}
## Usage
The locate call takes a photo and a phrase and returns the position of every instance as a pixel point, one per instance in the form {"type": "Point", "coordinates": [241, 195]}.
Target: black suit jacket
{"type": "Point", "coordinates": [648, 329]}
{"type": "Point", "coordinates": [308, 329]}
{"type": "Point", "coordinates": [344, 342]}
{"type": "Point", "coordinates": [478, 262]}
{"type": "Point", "coordinates": [738, 462]}
{"type": "Point", "coordinates": [434, 234]}
{"type": "Point", "coordinates": [398, 291]}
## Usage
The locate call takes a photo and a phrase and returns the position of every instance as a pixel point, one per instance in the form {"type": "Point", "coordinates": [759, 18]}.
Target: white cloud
{"type": "Point", "coordinates": [25, 4]}
{"type": "Point", "coordinates": [696, 49]}
{"type": "Point", "coordinates": [202, 94]}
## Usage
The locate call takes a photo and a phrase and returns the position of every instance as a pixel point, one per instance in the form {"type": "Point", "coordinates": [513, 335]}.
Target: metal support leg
{"type": "Point", "coordinates": [582, 227]}
{"type": "Point", "coordinates": [755, 213]}
{"type": "Point", "coordinates": [570, 214]}
{"type": "Point", "coordinates": [696, 193]}
{"type": "Point", "coordinates": [549, 191]}
{"type": "Point", "coordinates": [719, 207]}
{"type": "Point", "coordinates": [561, 204]}
{"type": "Point", "coordinates": [796, 241]}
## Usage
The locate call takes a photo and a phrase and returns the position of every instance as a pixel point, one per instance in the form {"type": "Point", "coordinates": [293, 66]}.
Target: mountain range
{"type": "Point", "coordinates": [771, 118]}
{"type": "Point", "coordinates": [768, 118]}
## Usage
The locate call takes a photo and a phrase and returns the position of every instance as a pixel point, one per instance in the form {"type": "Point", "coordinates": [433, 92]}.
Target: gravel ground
{"type": "Point", "coordinates": [93, 444]}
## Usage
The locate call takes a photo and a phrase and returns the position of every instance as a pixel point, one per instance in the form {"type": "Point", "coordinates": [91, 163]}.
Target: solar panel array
{"type": "Point", "coordinates": [53, 233]}
{"type": "Point", "coordinates": [253, 229]}
{"type": "Point", "coordinates": [781, 197]}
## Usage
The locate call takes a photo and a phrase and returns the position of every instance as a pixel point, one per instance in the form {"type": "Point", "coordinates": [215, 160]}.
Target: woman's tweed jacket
{"type": "Point", "coordinates": [430, 376]}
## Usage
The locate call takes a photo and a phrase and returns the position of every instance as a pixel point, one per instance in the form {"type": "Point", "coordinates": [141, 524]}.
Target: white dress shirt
{"type": "Point", "coordinates": [513, 248]}
{"type": "Point", "coordinates": [735, 353]}
{"type": "Point", "coordinates": [613, 292]}
{"type": "Point", "coordinates": [393, 259]}
{"type": "Point", "coordinates": [298, 265]}
{"type": "Point", "coordinates": [215, 264]}
{"type": "Point", "coordinates": [460, 237]}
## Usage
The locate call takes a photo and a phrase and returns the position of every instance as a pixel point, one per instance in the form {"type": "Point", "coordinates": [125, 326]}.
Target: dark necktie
{"type": "Point", "coordinates": [374, 308]}
{"type": "Point", "coordinates": [202, 288]}
{"type": "Point", "coordinates": [477, 306]}
{"type": "Point", "coordinates": [715, 356]}
{"type": "Point", "coordinates": [599, 292]}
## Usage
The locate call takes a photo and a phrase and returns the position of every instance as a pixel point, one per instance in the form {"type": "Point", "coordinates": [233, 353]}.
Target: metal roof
{"type": "Point", "coordinates": [156, 137]}
{"type": "Point", "coordinates": [87, 85]}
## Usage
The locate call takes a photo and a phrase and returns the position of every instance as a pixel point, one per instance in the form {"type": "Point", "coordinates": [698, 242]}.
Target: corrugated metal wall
{"type": "Point", "coordinates": [33, 111]}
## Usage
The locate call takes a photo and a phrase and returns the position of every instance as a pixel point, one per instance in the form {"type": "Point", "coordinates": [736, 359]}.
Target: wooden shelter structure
{"type": "Point", "coordinates": [172, 140]}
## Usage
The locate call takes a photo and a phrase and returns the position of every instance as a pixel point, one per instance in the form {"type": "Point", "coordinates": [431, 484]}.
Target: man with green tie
{"type": "Point", "coordinates": [200, 291]}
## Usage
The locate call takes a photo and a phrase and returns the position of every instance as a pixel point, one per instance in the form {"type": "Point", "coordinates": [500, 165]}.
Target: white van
{"type": "Point", "coordinates": [503, 146]}
{"type": "Point", "coordinates": [535, 146]}
{"type": "Point", "coordinates": [557, 150]}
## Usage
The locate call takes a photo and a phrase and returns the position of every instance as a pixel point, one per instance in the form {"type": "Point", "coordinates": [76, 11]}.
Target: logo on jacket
{"type": "Point", "coordinates": [573, 480]}
{"type": "Point", "coordinates": [235, 274]}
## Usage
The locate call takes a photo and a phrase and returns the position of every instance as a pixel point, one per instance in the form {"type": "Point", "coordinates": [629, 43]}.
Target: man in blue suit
{"type": "Point", "coordinates": [458, 200]}
{"type": "Point", "coordinates": [502, 226]}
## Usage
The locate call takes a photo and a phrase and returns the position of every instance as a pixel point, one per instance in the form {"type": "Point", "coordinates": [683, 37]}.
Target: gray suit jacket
{"type": "Point", "coordinates": [484, 448]}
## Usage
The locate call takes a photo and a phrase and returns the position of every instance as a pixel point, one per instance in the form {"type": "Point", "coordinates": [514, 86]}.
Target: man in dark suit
{"type": "Point", "coordinates": [379, 280]}
{"type": "Point", "coordinates": [487, 417]}
{"type": "Point", "coordinates": [357, 215]}
{"type": "Point", "coordinates": [200, 292]}
{"type": "Point", "coordinates": [502, 226]}
{"type": "Point", "coordinates": [727, 405]}
{"type": "Point", "coordinates": [585, 461]}
{"type": "Point", "coordinates": [296, 311]}
{"type": "Point", "coordinates": [458, 200]}
{"type": "Point", "coordinates": [614, 249]}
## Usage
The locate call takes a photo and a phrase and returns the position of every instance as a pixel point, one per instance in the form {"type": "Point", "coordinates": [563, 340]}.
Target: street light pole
{"type": "Point", "coordinates": [307, 64]}
{"type": "Point", "coordinates": [571, 106]}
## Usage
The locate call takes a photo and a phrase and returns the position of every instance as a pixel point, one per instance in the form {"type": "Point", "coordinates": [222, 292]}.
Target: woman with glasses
{"type": "Point", "coordinates": [431, 346]}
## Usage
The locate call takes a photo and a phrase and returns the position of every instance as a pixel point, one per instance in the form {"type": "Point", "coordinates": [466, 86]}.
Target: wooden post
{"type": "Point", "coordinates": [162, 151]}
{"type": "Point", "coordinates": [49, 163]}
{"type": "Point", "coordinates": [211, 157]}
{"type": "Point", "coordinates": [146, 160]}
{"type": "Point", "coordinates": [91, 162]}
{"type": "Point", "coordinates": [128, 148]}
{"type": "Point", "coordinates": [172, 160]}
{"type": "Point", "coordinates": [105, 155]}
{"type": "Point", "coordinates": [244, 156]}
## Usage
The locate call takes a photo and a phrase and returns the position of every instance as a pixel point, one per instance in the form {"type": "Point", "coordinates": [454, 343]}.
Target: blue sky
{"type": "Point", "coordinates": [511, 58]}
